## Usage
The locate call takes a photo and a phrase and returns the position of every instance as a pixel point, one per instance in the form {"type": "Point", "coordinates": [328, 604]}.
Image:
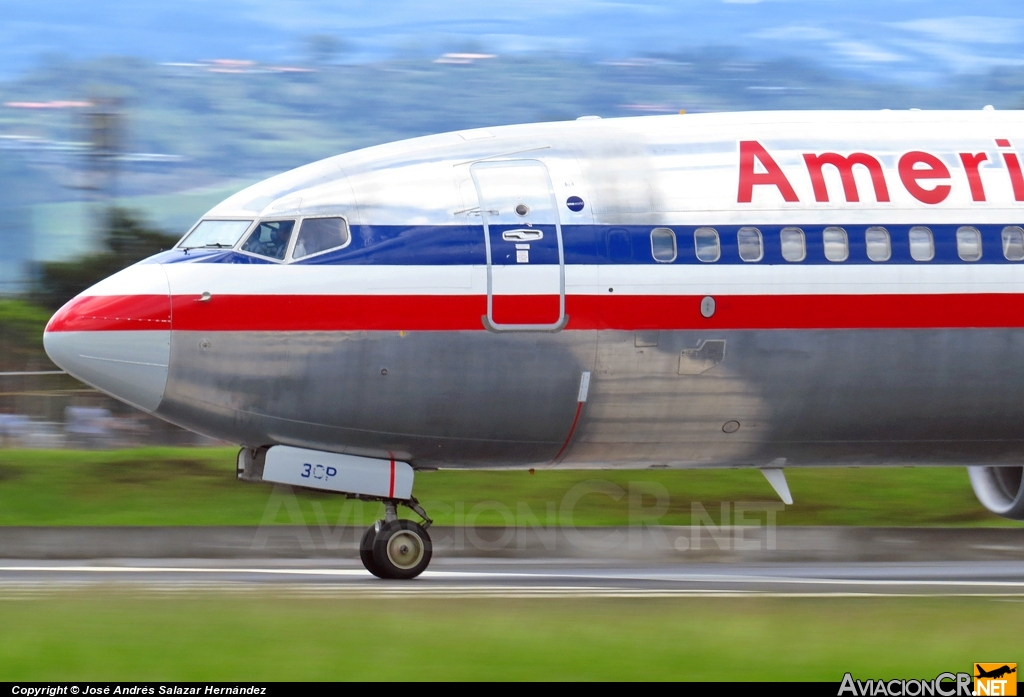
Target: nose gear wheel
{"type": "Point", "coordinates": [396, 549]}
{"type": "Point", "coordinates": [366, 549]}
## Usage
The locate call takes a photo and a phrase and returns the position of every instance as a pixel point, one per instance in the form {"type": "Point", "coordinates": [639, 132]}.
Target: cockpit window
{"type": "Point", "coordinates": [270, 238]}
{"type": "Point", "coordinates": [215, 233]}
{"type": "Point", "coordinates": [319, 235]}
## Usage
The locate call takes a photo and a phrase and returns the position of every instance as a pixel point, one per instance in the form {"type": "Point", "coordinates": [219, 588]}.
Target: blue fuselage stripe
{"type": "Point", "coordinates": [440, 245]}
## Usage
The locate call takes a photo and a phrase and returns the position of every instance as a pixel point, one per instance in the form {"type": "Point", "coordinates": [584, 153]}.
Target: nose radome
{"type": "Point", "coordinates": [116, 336]}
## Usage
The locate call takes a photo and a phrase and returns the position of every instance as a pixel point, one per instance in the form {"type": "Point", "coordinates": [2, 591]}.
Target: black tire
{"type": "Point", "coordinates": [366, 549]}
{"type": "Point", "coordinates": [401, 550]}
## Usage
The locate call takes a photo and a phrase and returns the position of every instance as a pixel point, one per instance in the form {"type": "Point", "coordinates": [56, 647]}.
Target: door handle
{"type": "Point", "coordinates": [522, 235]}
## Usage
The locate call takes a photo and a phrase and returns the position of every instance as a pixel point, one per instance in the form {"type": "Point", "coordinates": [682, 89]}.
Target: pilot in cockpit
{"type": "Point", "coordinates": [270, 239]}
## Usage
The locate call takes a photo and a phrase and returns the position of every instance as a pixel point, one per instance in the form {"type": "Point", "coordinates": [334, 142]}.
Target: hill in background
{"type": "Point", "coordinates": [187, 135]}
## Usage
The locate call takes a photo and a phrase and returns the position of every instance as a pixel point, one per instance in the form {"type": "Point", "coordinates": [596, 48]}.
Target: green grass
{"type": "Point", "coordinates": [197, 486]}
{"type": "Point", "coordinates": [113, 635]}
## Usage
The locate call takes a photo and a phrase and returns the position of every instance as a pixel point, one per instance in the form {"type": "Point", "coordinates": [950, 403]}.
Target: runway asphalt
{"type": "Point", "coordinates": [468, 577]}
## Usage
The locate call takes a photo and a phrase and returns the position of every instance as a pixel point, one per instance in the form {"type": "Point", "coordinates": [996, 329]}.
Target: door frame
{"type": "Point", "coordinates": [487, 319]}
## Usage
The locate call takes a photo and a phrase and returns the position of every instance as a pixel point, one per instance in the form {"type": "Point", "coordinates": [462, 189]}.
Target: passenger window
{"type": "Point", "coordinates": [879, 247]}
{"type": "Point", "coordinates": [794, 246]}
{"type": "Point", "coordinates": [837, 247]}
{"type": "Point", "coordinates": [705, 239]}
{"type": "Point", "coordinates": [1013, 243]}
{"type": "Point", "coordinates": [922, 244]}
{"type": "Point", "coordinates": [748, 239]}
{"type": "Point", "coordinates": [270, 239]}
{"type": "Point", "coordinates": [319, 235]}
{"type": "Point", "coordinates": [968, 243]}
{"type": "Point", "coordinates": [663, 244]}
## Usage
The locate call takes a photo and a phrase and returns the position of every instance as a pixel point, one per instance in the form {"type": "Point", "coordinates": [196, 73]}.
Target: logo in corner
{"type": "Point", "coordinates": [995, 679]}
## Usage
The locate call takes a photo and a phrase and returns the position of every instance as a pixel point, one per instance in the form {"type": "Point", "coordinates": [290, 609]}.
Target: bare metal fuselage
{"type": "Point", "coordinates": [879, 397]}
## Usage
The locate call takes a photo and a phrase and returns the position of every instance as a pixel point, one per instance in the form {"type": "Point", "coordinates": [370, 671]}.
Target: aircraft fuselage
{"type": "Point", "coordinates": [706, 290]}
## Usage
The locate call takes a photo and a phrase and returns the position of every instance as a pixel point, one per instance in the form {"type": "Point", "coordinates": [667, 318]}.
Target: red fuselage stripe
{"type": "Point", "coordinates": [586, 312]}
{"type": "Point", "coordinates": [97, 313]}
{"type": "Point", "coordinates": [572, 430]}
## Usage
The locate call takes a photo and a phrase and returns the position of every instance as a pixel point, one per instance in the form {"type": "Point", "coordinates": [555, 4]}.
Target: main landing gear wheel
{"type": "Point", "coordinates": [401, 549]}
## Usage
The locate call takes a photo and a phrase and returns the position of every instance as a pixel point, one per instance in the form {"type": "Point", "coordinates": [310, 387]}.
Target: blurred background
{"type": "Point", "coordinates": [122, 122]}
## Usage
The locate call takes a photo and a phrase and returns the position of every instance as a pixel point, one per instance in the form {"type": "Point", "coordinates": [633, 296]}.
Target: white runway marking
{"type": "Point", "coordinates": [496, 575]}
{"type": "Point", "coordinates": [568, 583]}
{"type": "Point", "coordinates": [187, 570]}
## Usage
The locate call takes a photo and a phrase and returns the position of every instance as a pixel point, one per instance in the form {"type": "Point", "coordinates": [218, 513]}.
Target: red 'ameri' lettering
{"type": "Point", "coordinates": [751, 150]}
{"type": "Point", "coordinates": [971, 163]}
{"type": "Point", "coordinates": [845, 167]}
{"type": "Point", "coordinates": [1013, 168]}
{"type": "Point", "coordinates": [933, 169]}
{"type": "Point", "coordinates": [1016, 178]}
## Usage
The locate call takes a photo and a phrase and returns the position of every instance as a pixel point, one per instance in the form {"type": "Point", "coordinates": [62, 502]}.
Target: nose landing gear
{"type": "Point", "coordinates": [392, 548]}
{"type": "Point", "coordinates": [397, 549]}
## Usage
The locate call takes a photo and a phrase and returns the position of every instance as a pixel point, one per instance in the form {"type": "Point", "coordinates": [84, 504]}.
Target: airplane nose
{"type": "Point", "coordinates": [116, 336]}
